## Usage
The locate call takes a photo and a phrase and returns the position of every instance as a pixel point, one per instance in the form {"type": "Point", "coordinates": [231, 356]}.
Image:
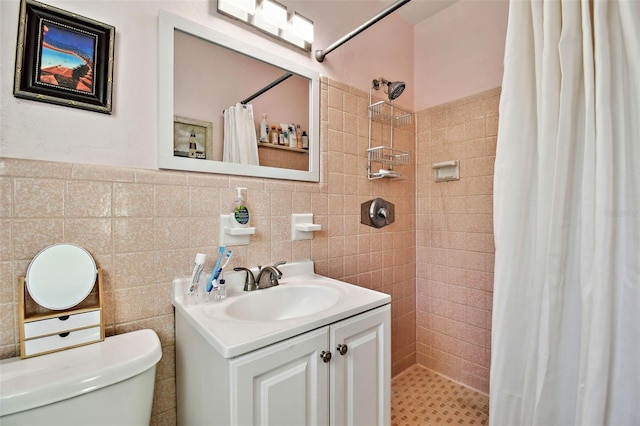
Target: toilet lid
{"type": "Point", "coordinates": [61, 276]}
{"type": "Point", "coordinates": [29, 383]}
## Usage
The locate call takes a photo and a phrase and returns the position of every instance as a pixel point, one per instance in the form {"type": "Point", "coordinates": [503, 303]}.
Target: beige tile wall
{"type": "Point", "coordinates": [455, 248]}
{"type": "Point", "coordinates": [144, 227]}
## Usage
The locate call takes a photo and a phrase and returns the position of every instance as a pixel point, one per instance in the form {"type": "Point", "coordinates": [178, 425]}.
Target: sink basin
{"type": "Point", "coordinates": [283, 302]}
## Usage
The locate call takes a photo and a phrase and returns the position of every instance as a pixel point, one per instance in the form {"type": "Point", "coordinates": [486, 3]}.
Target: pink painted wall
{"type": "Point", "coordinates": [459, 52]}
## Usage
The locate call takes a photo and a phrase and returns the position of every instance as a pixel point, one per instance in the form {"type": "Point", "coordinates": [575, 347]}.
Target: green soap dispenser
{"type": "Point", "coordinates": [240, 213]}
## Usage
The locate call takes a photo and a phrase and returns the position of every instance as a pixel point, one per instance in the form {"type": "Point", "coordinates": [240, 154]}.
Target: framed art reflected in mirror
{"type": "Point", "coordinates": [192, 138]}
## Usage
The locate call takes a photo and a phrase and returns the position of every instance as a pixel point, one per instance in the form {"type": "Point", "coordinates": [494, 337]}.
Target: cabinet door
{"type": "Point", "coordinates": [283, 384]}
{"type": "Point", "coordinates": [361, 377]}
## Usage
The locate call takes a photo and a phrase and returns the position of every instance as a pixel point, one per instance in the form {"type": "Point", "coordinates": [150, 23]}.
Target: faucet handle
{"type": "Point", "coordinates": [275, 266]}
{"type": "Point", "coordinates": [249, 280]}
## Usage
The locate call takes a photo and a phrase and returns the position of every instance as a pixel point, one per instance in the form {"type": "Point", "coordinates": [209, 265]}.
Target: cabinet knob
{"type": "Point", "coordinates": [326, 356]}
{"type": "Point", "coordinates": [342, 349]}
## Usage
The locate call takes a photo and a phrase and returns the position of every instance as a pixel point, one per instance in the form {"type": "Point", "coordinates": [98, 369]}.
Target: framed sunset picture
{"type": "Point", "coordinates": [63, 58]}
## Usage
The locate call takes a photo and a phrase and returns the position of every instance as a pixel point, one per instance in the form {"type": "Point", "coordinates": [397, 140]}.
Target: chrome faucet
{"type": "Point", "coordinates": [274, 275]}
{"type": "Point", "coordinates": [252, 282]}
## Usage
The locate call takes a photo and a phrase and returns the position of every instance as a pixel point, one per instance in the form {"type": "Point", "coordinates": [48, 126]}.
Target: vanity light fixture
{"type": "Point", "coordinates": [248, 6]}
{"type": "Point", "coordinates": [293, 34]}
{"type": "Point", "coordinates": [272, 18]}
{"type": "Point", "coordinates": [302, 27]}
{"type": "Point", "coordinates": [240, 9]}
{"type": "Point", "coordinates": [274, 13]}
{"type": "Point", "coordinates": [265, 19]}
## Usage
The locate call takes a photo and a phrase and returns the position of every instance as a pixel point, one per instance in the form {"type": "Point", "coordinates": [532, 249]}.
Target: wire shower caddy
{"type": "Point", "coordinates": [386, 113]}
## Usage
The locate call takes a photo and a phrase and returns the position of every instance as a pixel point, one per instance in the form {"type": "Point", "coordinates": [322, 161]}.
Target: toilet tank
{"type": "Point", "coordinates": [106, 383]}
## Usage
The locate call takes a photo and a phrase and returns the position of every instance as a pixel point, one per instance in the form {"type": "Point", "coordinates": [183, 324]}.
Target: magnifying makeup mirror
{"type": "Point", "coordinates": [61, 276]}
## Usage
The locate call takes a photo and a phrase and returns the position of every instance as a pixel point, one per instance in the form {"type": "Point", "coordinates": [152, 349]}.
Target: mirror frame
{"type": "Point", "coordinates": [167, 24]}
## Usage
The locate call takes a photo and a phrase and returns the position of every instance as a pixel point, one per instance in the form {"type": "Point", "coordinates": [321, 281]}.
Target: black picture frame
{"type": "Point", "coordinates": [63, 58]}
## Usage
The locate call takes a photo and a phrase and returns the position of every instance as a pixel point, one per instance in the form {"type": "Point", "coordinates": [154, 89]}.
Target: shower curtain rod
{"type": "Point", "coordinates": [320, 54]}
{"type": "Point", "coordinates": [266, 88]}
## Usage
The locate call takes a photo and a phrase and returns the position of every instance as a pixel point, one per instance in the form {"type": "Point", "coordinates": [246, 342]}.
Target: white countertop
{"type": "Point", "coordinates": [232, 337]}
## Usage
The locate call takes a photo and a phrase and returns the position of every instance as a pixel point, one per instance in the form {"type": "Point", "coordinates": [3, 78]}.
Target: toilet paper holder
{"type": "Point", "coordinates": [377, 213]}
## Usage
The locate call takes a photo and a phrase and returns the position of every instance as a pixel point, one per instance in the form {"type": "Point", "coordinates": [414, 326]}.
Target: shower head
{"type": "Point", "coordinates": [394, 88]}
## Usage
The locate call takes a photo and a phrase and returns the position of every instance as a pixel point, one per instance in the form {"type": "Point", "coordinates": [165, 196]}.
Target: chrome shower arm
{"type": "Point", "coordinates": [320, 54]}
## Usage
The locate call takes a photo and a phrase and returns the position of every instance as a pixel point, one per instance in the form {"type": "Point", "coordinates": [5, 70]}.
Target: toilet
{"type": "Point", "coordinates": [106, 383]}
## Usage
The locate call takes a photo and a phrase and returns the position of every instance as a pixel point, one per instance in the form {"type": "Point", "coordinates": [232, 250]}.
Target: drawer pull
{"type": "Point", "coordinates": [63, 318]}
{"type": "Point", "coordinates": [64, 334]}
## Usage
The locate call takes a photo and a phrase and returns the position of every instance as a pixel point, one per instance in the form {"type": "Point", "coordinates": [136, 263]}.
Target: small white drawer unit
{"type": "Point", "coordinates": [58, 330]}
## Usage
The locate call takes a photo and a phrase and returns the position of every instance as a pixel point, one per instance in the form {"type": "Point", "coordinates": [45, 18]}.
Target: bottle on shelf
{"type": "Point", "coordinates": [298, 137]}
{"type": "Point", "coordinates": [280, 136]}
{"type": "Point", "coordinates": [264, 129]}
{"type": "Point", "coordinates": [293, 141]}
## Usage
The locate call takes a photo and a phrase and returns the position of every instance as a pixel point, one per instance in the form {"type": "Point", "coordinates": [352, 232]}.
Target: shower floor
{"type": "Point", "coordinates": [422, 397]}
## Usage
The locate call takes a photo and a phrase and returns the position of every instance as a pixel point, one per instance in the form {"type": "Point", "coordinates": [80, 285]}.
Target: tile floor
{"type": "Point", "coordinates": [421, 397]}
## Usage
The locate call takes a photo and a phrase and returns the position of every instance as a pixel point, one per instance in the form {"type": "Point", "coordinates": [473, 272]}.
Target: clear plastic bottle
{"type": "Point", "coordinates": [293, 138]}
{"type": "Point", "coordinates": [222, 289]}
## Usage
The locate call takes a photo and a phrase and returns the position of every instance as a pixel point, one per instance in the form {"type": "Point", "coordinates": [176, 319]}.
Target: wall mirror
{"type": "Point", "coordinates": [202, 72]}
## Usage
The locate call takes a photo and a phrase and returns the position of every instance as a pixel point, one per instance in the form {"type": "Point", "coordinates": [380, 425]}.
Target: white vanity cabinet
{"type": "Point", "coordinates": [291, 382]}
{"type": "Point", "coordinates": [295, 382]}
{"type": "Point", "coordinates": [311, 351]}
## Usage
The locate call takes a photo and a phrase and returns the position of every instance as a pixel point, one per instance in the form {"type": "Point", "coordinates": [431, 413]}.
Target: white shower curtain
{"type": "Point", "coordinates": [566, 310]}
{"type": "Point", "coordinates": [240, 140]}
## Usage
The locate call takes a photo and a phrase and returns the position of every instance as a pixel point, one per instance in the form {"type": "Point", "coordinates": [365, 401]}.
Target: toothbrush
{"type": "Point", "coordinates": [215, 268]}
{"type": "Point", "coordinates": [219, 270]}
{"type": "Point", "coordinates": [227, 256]}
